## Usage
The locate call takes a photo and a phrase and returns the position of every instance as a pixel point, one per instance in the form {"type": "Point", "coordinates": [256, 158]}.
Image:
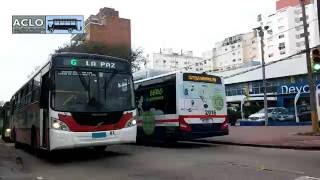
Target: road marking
{"type": "Point", "coordinates": [307, 178]}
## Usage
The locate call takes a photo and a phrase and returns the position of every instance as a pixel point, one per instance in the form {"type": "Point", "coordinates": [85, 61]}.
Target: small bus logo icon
{"type": "Point", "coordinates": [64, 24]}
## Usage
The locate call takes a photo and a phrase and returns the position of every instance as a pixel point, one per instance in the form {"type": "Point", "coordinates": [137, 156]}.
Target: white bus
{"type": "Point", "coordinates": [181, 106]}
{"type": "Point", "coordinates": [76, 100]}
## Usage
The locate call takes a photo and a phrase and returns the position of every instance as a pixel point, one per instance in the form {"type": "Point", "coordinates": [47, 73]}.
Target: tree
{"type": "Point", "coordinates": [135, 57]}
{"type": "Point", "coordinates": [1, 103]}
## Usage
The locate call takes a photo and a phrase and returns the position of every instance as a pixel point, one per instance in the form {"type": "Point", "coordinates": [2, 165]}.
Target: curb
{"type": "Point", "coordinates": [310, 148]}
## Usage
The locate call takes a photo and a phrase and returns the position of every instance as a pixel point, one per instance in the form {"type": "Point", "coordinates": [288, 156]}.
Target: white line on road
{"type": "Point", "coordinates": [307, 178]}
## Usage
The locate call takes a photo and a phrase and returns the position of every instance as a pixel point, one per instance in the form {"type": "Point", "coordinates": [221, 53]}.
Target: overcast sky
{"type": "Point", "coordinates": [180, 24]}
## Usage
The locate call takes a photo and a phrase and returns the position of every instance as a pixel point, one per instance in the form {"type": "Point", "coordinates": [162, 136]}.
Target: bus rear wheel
{"type": "Point", "coordinates": [17, 145]}
{"type": "Point", "coordinates": [100, 148]}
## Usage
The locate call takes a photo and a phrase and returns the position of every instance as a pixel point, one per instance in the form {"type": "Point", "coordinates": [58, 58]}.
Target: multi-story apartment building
{"type": "Point", "coordinates": [285, 35]}
{"type": "Point", "coordinates": [234, 51]}
{"type": "Point", "coordinates": [168, 60]}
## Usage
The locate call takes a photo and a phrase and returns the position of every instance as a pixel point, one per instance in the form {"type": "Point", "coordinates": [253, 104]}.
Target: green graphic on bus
{"type": "Point", "coordinates": [148, 123]}
{"type": "Point", "coordinates": [217, 102]}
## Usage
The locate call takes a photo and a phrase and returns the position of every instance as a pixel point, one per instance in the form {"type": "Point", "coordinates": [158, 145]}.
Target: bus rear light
{"type": "Point", "coordinates": [59, 125]}
{"type": "Point", "coordinates": [184, 126]}
{"type": "Point", "coordinates": [225, 125]}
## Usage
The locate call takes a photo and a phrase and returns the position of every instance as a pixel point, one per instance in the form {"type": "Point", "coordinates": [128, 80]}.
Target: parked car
{"type": "Point", "coordinates": [285, 115]}
{"type": "Point", "coordinates": [233, 115]}
{"type": "Point", "coordinates": [304, 112]}
{"type": "Point", "coordinates": [272, 114]}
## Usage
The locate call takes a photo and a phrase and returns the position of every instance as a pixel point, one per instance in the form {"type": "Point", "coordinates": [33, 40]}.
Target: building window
{"type": "Point", "coordinates": [282, 52]}
{"type": "Point", "coordinates": [282, 46]}
{"type": "Point", "coordinates": [281, 28]}
{"type": "Point", "coordinates": [164, 61]}
{"type": "Point", "coordinates": [298, 11]}
{"type": "Point", "coordinates": [281, 36]}
{"type": "Point", "coordinates": [239, 59]}
{"type": "Point", "coordinates": [225, 49]}
{"type": "Point", "coordinates": [234, 60]}
{"type": "Point", "coordinates": [270, 55]}
{"type": "Point", "coordinates": [299, 44]}
{"type": "Point", "coordinates": [299, 28]}
{"type": "Point", "coordinates": [302, 35]}
{"type": "Point", "coordinates": [270, 31]}
{"type": "Point", "coordinates": [280, 19]}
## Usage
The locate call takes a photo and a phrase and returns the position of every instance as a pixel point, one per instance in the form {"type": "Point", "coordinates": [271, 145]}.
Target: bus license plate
{"type": "Point", "coordinates": [206, 120]}
{"type": "Point", "coordinates": [99, 135]}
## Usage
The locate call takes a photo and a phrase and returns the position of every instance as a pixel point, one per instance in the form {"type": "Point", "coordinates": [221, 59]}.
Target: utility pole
{"type": "Point", "coordinates": [264, 82]}
{"type": "Point", "coordinates": [314, 115]}
{"type": "Point", "coordinates": [318, 11]}
{"type": "Point", "coordinates": [263, 67]}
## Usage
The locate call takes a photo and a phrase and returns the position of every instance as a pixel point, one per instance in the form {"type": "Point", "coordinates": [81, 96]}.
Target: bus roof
{"type": "Point", "coordinates": [158, 76]}
{"type": "Point", "coordinates": [168, 74]}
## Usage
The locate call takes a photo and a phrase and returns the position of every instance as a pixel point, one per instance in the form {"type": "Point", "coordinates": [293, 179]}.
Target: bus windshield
{"type": "Point", "coordinates": [90, 91]}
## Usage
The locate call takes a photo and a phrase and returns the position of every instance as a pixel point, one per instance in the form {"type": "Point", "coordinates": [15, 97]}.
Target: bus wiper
{"type": "Point", "coordinates": [84, 83]}
{"type": "Point", "coordinates": [107, 82]}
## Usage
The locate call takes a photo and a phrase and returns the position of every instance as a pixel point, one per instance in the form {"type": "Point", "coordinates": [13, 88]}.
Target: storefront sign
{"type": "Point", "coordinates": [295, 88]}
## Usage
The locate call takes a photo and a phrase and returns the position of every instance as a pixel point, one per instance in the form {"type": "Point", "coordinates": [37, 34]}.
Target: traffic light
{"type": "Point", "coordinates": [315, 60]}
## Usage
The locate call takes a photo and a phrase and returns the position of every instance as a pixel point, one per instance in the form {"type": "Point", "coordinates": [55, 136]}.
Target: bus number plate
{"type": "Point", "coordinates": [206, 120]}
{"type": "Point", "coordinates": [99, 135]}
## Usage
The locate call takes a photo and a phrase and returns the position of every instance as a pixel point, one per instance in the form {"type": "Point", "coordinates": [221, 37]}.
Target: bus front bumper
{"type": "Point", "coordinates": [68, 140]}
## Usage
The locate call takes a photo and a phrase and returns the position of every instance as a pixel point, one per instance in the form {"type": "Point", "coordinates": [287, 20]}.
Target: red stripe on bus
{"type": "Point", "coordinates": [162, 121]}
{"type": "Point", "coordinates": [75, 127]}
{"type": "Point", "coordinates": [167, 120]}
{"type": "Point", "coordinates": [203, 116]}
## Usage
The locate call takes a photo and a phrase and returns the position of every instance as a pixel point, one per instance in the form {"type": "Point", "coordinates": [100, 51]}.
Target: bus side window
{"type": "Point", "coordinates": [36, 88]}
{"type": "Point", "coordinates": [44, 95]}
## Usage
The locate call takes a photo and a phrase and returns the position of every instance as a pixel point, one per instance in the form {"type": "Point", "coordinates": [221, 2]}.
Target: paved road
{"type": "Point", "coordinates": [179, 162]}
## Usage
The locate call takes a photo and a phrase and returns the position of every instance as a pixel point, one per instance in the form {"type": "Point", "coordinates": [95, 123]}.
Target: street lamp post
{"type": "Point", "coordinates": [260, 31]}
{"type": "Point", "coordinates": [314, 115]}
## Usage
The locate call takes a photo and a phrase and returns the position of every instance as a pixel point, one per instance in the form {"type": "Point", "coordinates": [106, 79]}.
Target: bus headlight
{"type": "Point", "coordinates": [7, 133]}
{"type": "Point", "coordinates": [131, 122]}
{"type": "Point", "coordinates": [59, 125]}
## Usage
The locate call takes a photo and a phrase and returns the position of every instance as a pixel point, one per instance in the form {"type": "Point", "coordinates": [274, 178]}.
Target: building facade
{"type": "Point", "coordinates": [107, 28]}
{"type": "Point", "coordinates": [284, 35]}
{"type": "Point", "coordinates": [168, 60]}
{"type": "Point", "coordinates": [233, 52]}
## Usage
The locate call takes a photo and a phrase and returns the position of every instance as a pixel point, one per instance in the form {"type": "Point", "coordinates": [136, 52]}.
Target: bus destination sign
{"type": "Point", "coordinates": [201, 78]}
{"type": "Point", "coordinates": [92, 63]}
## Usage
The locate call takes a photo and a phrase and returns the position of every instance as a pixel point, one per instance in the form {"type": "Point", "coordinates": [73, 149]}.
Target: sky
{"type": "Point", "coordinates": [179, 24]}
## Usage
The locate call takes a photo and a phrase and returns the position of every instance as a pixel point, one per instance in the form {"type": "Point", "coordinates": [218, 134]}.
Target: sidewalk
{"type": "Point", "coordinates": [271, 136]}
{"type": "Point", "coordinates": [10, 168]}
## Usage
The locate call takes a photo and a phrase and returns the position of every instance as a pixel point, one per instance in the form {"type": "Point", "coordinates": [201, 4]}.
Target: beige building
{"type": "Point", "coordinates": [233, 52]}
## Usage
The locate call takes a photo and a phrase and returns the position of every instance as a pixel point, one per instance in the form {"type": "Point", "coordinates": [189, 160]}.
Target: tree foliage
{"type": "Point", "coordinates": [135, 57]}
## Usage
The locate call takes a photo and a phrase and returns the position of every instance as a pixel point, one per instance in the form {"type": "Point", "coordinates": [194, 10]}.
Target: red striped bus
{"type": "Point", "coordinates": [76, 100]}
{"type": "Point", "coordinates": [181, 106]}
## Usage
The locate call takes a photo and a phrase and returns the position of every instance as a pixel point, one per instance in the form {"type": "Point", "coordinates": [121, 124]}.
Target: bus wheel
{"type": "Point", "coordinates": [70, 30]}
{"type": "Point", "coordinates": [100, 148]}
{"type": "Point", "coordinates": [34, 147]}
{"type": "Point", "coordinates": [17, 145]}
